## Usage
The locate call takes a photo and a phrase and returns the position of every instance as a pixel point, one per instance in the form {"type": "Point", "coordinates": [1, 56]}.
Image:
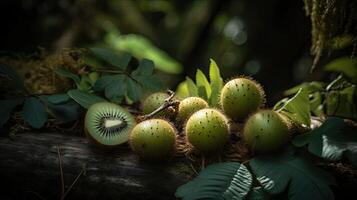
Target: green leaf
{"type": "Point", "coordinates": [297, 108]}
{"type": "Point", "coordinates": [216, 83]}
{"type": "Point", "coordinates": [332, 140]}
{"type": "Point", "coordinates": [309, 87]}
{"type": "Point", "coordinates": [192, 88]}
{"type": "Point", "coordinates": [290, 172]}
{"type": "Point", "coordinates": [7, 106]}
{"type": "Point", "coordinates": [83, 98]}
{"type": "Point", "coordinates": [345, 65]}
{"type": "Point", "coordinates": [134, 90]}
{"type": "Point", "coordinates": [342, 103]}
{"type": "Point", "coordinates": [145, 68]}
{"type": "Point", "coordinates": [230, 180]}
{"type": "Point", "coordinates": [182, 90]}
{"type": "Point", "coordinates": [316, 105]}
{"type": "Point", "coordinates": [111, 57]}
{"type": "Point", "coordinates": [117, 87]}
{"type": "Point", "coordinates": [11, 74]}
{"type": "Point", "coordinates": [141, 47]}
{"type": "Point", "coordinates": [34, 112]}
{"type": "Point", "coordinates": [66, 112]}
{"type": "Point", "coordinates": [152, 82]}
{"type": "Point", "coordinates": [103, 82]}
{"type": "Point", "coordinates": [66, 73]}
{"type": "Point", "coordinates": [203, 86]}
{"type": "Point", "coordinates": [56, 98]}
{"type": "Point", "coordinates": [258, 193]}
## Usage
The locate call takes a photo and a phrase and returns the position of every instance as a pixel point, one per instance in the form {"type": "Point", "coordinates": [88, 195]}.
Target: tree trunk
{"type": "Point", "coordinates": [30, 169]}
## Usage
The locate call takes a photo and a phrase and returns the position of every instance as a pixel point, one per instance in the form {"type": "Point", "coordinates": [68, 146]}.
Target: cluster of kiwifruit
{"type": "Point", "coordinates": [206, 129]}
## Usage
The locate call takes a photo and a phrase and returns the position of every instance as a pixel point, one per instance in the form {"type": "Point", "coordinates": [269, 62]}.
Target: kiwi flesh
{"type": "Point", "coordinates": [108, 124]}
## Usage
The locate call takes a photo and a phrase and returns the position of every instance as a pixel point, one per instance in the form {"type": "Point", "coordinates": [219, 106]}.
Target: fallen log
{"type": "Point", "coordinates": [31, 165]}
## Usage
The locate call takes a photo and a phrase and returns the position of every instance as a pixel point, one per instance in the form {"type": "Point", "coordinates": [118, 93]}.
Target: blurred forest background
{"type": "Point", "coordinates": [269, 40]}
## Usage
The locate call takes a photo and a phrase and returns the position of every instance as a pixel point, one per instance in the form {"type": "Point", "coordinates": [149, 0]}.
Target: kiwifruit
{"type": "Point", "coordinates": [153, 139]}
{"type": "Point", "coordinates": [154, 101]}
{"type": "Point", "coordinates": [241, 97]}
{"type": "Point", "coordinates": [188, 106]}
{"type": "Point", "coordinates": [207, 130]}
{"type": "Point", "coordinates": [108, 124]}
{"type": "Point", "coordinates": [266, 131]}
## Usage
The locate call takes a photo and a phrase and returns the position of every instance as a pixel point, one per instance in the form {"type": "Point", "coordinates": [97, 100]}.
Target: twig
{"type": "Point", "coordinates": [167, 103]}
{"type": "Point", "coordinates": [61, 170]}
{"type": "Point", "coordinates": [74, 182]}
{"type": "Point", "coordinates": [193, 169]}
{"type": "Point", "coordinates": [34, 193]}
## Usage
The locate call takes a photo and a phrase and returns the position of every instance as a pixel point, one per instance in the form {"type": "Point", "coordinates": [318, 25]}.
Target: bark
{"type": "Point", "coordinates": [30, 169]}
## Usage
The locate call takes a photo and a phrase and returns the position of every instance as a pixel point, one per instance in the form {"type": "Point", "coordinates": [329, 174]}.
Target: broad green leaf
{"type": "Point", "coordinates": [83, 98]}
{"type": "Point", "coordinates": [66, 73]}
{"type": "Point", "coordinates": [10, 73]}
{"type": "Point", "coordinates": [230, 180]}
{"type": "Point", "coordinates": [297, 108]}
{"type": "Point", "coordinates": [7, 106]}
{"type": "Point", "coordinates": [56, 98]}
{"type": "Point", "coordinates": [192, 88]}
{"type": "Point", "coordinates": [182, 90]}
{"type": "Point", "coordinates": [152, 82]}
{"type": "Point", "coordinates": [309, 87]}
{"type": "Point", "coordinates": [345, 65]}
{"type": "Point", "coordinates": [145, 68]}
{"type": "Point", "coordinates": [342, 103]}
{"type": "Point", "coordinates": [66, 112]}
{"type": "Point", "coordinates": [117, 87]}
{"type": "Point", "coordinates": [316, 104]}
{"type": "Point", "coordinates": [216, 83]}
{"type": "Point", "coordinates": [289, 172]}
{"type": "Point", "coordinates": [203, 86]}
{"type": "Point", "coordinates": [103, 82]}
{"type": "Point", "coordinates": [332, 140]}
{"type": "Point", "coordinates": [140, 47]}
{"type": "Point", "coordinates": [258, 193]}
{"type": "Point", "coordinates": [34, 112]}
{"type": "Point", "coordinates": [134, 90]}
{"type": "Point", "coordinates": [112, 58]}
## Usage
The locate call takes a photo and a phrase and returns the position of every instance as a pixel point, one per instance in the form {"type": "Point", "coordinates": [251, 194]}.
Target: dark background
{"type": "Point", "coordinates": [269, 40]}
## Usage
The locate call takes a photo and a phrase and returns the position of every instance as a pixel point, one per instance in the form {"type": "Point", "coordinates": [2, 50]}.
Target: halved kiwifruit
{"type": "Point", "coordinates": [108, 124]}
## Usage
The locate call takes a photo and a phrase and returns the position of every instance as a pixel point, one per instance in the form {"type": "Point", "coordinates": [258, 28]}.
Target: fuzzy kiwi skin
{"type": "Point", "coordinates": [240, 97]}
{"type": "Point", "coordinates": [130, 120]}
{"type": "Point", "coordinates": [188, 106]}
{"type": "Point", "coordinates": [154, 101]}
{"type": "Point", "coordinates": [266, 131]}
{"type": "Point", "coordinates": [153, 139]}
{"type": "Point", "coordinates": [207, 130]}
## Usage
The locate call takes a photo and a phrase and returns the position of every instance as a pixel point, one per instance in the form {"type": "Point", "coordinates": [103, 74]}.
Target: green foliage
{"type": "Point", "coordinates": [292, 173]}
{"type": "Point", "coordinates": [332, 140]}
{"type": "Point", "coordinates": [117, 80]}
{"type": "Point", "coordinates": [207, 90]}
{"type": "Point", "coordinates": [84, 99]}
{"type": "Point", "coordinates": [296, 108]}
{"type": "Point", "coordinates": [141, 47]}
{"type": "Point", "coordinates": [285, 174]}
{"type": "Point", "coordinates": [112, 58]}
{"type": "Point", "coordinates": [7, 107]}
{"type": "Point", "coordinates": [229, 180]}
{"type": "Point", "coordinates": [334, 99]}
{"type": "Point", "coordinates": [344, 65]}
{"type": "Point", "coordinates": [34, 112]}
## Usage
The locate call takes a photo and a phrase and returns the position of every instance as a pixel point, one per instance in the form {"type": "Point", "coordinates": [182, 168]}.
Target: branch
{"type": "Point", "coordinates": [167, 103]}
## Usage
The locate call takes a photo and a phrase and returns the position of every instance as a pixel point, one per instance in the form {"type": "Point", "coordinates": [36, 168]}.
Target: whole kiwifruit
{"type": "Point", "coordinates": [207, 130]}
{"type": "Point", "coordinates": [108, 124]}
{"type": "Point", "coordinates": [188, 106]}
{"type": "Point", "coordinates": [153, 139]}
{"type": "Point", "coordinates": [154, 101]}
{"type": "Point", "coordinates": [266, 131]}
{"type": "Point", "coordinates": [240, 97]}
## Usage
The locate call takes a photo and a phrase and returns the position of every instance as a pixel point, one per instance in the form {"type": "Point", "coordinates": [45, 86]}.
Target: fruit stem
{"type": "Point", "coordinates": [167, 103]}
